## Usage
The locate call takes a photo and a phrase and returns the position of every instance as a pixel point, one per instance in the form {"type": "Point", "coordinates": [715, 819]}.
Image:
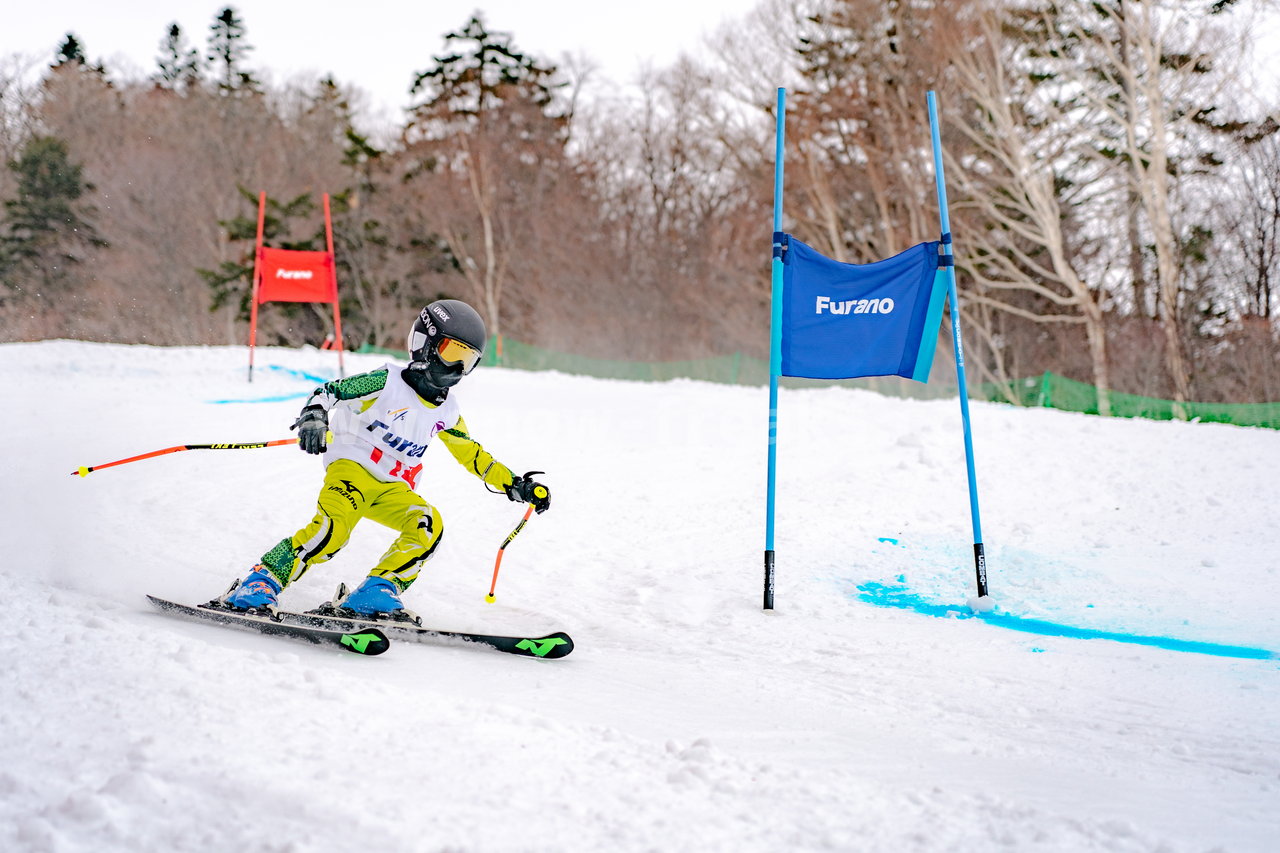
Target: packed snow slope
{"type": "Point", "coordinates": [1124, 697]}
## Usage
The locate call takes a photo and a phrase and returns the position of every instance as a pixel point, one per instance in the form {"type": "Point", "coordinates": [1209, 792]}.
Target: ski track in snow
{"type": "Point", "coordinates": [686, 719]}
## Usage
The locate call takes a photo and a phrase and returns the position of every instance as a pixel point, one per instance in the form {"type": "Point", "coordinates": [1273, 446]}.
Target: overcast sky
{"type": "Point", "coordinates": [377, 45]}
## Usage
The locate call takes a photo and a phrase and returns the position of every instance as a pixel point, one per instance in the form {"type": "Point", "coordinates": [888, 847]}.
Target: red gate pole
{"type": "Point", "coordinates": [257, 272]}
{"type": "Point", "coordinates": [333, 284]}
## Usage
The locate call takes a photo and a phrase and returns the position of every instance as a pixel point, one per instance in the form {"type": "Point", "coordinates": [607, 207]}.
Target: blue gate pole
{"type": "Point", "coordinates": [775, 351]}
{"type": "Point", "coordinates": [948, 260]}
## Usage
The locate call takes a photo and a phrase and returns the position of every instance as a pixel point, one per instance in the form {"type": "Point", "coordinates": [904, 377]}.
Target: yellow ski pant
{"type": "Point", "coordinates": [349, 494]}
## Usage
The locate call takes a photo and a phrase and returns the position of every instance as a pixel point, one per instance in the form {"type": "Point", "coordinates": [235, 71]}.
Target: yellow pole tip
{"type": "Point", "coordinates": [83, 471]}
{"type": "Point", "coordinates": [489, 598]}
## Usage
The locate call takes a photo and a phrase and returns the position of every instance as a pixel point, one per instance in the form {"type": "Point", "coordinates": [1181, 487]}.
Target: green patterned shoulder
{"type": "Point", "coordinates": [360, 385]}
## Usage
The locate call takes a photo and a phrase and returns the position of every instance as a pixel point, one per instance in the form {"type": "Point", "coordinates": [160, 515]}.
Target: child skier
{"type": "Point", "coordinates": [381, 423]}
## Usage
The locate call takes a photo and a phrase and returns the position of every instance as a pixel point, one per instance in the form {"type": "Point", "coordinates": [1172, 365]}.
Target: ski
{"type": "Point", "coordinates": [363, 640]}
{"type": "Point", "coordinates": [555, 645]}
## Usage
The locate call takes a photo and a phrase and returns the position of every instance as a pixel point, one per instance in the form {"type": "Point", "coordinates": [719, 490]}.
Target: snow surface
{"type": "Point", "coordinates": [869, 711]}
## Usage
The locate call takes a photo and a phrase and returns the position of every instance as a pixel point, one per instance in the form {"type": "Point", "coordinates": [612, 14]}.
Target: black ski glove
{"type": "Point", "coordinates": [531, 492]}
{"type": "Point", "coordinates": [313, 429]}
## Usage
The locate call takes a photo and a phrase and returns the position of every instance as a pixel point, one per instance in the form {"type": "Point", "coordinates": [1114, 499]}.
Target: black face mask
{"type": "Point", "coordinates": [424, 384]}
{"type": "Point", "coordinates": [444, 375]}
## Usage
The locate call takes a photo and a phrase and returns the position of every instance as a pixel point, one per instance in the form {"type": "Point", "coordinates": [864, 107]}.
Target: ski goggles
{"type": "Point", "coordinates": [453, 352]}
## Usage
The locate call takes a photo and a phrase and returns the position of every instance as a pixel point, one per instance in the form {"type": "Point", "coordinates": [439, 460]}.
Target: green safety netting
{"type": "Point", "coordinates": [1046, 391]}
{"type": "Point", "coordinates": [1058, 392]}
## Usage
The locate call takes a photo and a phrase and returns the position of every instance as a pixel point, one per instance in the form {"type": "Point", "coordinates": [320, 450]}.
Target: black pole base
{"type": "Point", "coordinates": [980, 567]}
{"type": "Point", "coordinates": [768, 580]}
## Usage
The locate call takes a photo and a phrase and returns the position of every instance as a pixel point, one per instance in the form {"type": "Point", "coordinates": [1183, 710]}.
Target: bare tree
{"type": "Point", "coordinates": [1147, 77]}
{"type": "Point", "coordinates": [1257, 226]}
{"type": "Point", "coordinates": [1010, 191]}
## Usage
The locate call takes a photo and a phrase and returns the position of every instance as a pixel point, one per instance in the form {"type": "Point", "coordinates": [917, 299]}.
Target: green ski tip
{"type": "Point", "coordinates": [540, 648]}
{"type": "Point", "coordinates": [370, 642]}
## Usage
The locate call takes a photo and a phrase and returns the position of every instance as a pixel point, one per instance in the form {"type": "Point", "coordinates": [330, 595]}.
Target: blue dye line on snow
{"type": "Point", "coordinates": [882, 595]}
{"type": "Point", "coordinates": [301, 374]}
{"type": "Point", "coordinates": [276, 399]}
{"type": "Point", "coordinates": [298, 374]}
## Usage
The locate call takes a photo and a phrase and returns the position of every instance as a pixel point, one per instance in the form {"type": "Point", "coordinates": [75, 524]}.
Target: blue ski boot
{"type": "Point", "coordinates": [375, 598]}
{"type": "Point", "coordinates": [257, 591]}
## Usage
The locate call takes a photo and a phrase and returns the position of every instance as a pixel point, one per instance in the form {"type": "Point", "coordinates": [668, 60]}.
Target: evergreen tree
{"type": "Point", "coordinates": [228, 51]}
{"type": "Point", "coordinates": [486, 129]}
{"type": "Point", "coordinates": [70, 52]}
{"type": "Point", "coordinates": [71, 55]}
{"type": "Point", "coordinates": [47, 228]}
{"type": "Point", "coordinates": [178, 63]}
{"type": "Point", "coordinates": [373, 255]}
{"type": "Point", "coordinates": [480, 85]}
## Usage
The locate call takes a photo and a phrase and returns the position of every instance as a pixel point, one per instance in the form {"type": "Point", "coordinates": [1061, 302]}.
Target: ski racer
{"type": "Point", "coordinates": [373, 429]}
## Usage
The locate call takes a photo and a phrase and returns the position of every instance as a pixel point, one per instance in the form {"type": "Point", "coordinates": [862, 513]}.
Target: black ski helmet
{"type": "Point", "coordinates": [430, 350]}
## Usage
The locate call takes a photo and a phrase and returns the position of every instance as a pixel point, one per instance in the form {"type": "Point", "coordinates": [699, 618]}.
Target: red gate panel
{"type": "Point", "coordinates": [291, 275]}
{"type": "Point", "coordinates": [286, 275]}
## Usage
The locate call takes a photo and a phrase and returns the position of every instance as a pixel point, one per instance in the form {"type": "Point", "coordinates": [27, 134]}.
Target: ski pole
{"type": "Point", "coordinates": [498, 562]}
{"type": "Point", "coordinates": [85, 470]}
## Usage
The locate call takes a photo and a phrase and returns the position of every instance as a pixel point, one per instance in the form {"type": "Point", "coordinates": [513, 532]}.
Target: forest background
{"type": "Point", "coordinates": [1113, 169]}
